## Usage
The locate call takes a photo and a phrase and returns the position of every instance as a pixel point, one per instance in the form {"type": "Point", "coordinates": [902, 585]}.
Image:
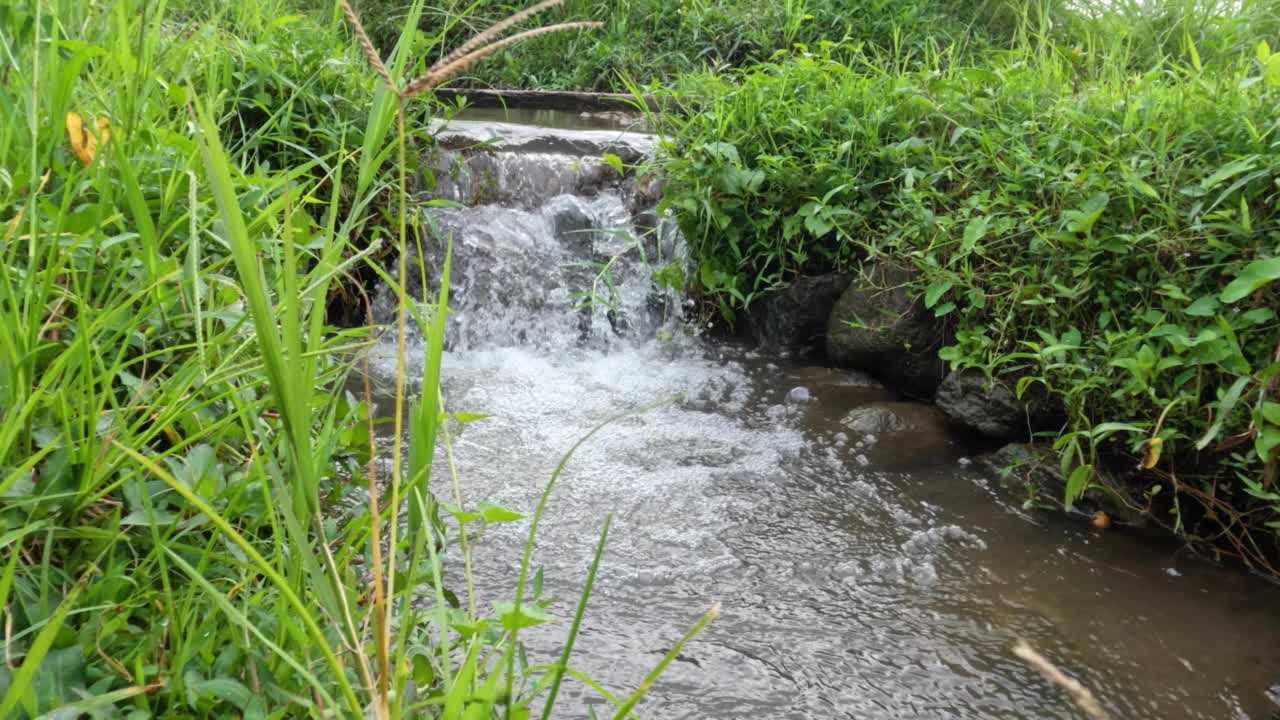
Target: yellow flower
{"type": "Point", "coordinates": [1151, 456]}
{"type": "Point", "coordinates": [84, 143]}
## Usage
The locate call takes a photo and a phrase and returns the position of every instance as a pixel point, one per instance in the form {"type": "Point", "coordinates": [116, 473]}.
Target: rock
{"type": "Point", "coordinates": [1029, 471]}
{"type": "Point", "coordinates": [799, 395]}
{"type": "Point", "coordinates": [894, 417]}
{"type": "Point", "coordinates": [900, 435]}
{"type": "Point", "coordinates": [631, 147]}
{"type": "Point", "coordinates": [879, 326]}
{"type": "Point", "coordinates": [795, 318]}
{"type": "Point", "coordinates": [989, 406]}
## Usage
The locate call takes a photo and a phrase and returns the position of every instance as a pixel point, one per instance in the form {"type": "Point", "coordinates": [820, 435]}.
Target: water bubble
{"type": "Point", "coordinates": [861, 460]}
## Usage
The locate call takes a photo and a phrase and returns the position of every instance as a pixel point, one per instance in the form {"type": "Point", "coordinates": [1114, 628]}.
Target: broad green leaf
{"type": "Point", "coordinates": [974, 231]}
{"type": "Point", "coordinates": [935, 291]}
{"type": "Point", "coordinates": [462, 516]}
{"type": "Point", "coordinates": [496, 513]}
{"type": "Point", "coordinates": [1083, 219]}
{"type": "Point", "coordinates": [614, 162]}
{"type": "Point", "coordinates": [1225, 406]}
{"type": "Point", "coordinates": [1258, 316]}
{"type": "Point", "coordinates": [1203, 307]}
{"type": "Point", "coordinates": [1255, 275]}
{"type": "Point", "coordinates": [1100, 431]}
{"type": "Point", "coordinates": [1228, 171]}
{"type": "Point", "coordinates": [1267, 441]}
{"type": "Point", "coordinates": [1271, 70]}
{"type": "Point", "coordinates": [225, 689]}
{"type": "Point", "coordinates": [1271, 411]}
{"type": "Point", "coordinates": [528, 616]}
{"type": "Point", "coordinates": [1077, 483]}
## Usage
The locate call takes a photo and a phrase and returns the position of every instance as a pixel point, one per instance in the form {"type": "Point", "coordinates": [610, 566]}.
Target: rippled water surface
{"type": "Point", "coordinates": [869, 581]}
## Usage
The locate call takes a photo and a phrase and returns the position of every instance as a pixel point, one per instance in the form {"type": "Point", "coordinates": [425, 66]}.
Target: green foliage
{"type": "Point", "coordinates": [655, 40]}
{"type": "Point", "coordinates": [1109, 235]}
{"type": "Point", "coordinates": [174, 420]}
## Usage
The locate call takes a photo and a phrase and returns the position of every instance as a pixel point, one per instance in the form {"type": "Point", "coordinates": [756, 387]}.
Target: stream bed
{"type": "Point", "coordinates": [859, 575]}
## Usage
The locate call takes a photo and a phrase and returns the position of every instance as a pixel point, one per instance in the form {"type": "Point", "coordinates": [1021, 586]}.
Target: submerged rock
{"type": "Point", "coordinates": [1027, 471]}
{"type": "Point", "coordinates": [990, 407]}
{"type": "Point", "coordinates": [795, 318]}
{"type": "Point", "coordinates": [879, 326]}
{"type": "Point", "coordinates": [1033, 472]}
{"type": "Point", "coordinates": [888, 418]}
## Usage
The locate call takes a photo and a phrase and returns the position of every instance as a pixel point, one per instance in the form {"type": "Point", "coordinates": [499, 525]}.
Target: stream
{"type": "Point", "coordinates": [859, 575]}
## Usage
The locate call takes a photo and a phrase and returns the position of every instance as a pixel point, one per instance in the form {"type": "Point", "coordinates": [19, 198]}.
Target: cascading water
{"type": "Point", "coordinates": [865, 571]}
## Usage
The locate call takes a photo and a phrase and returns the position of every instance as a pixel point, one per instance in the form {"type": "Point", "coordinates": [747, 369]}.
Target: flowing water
{"type": "Point", "coordinates": [860, 575]}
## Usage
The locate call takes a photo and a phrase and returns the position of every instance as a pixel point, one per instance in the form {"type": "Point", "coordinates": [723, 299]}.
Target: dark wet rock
{"type": "Point", "coordinates": [795, 318]}
{"type": "Point", "coordinates": [990, 407]}
{"type": "Point", "coordinates": [630, 147]}
{"type": "Point", "coordinates": [479, 163]}
{"type": "Point", "coordinates": [878, 325]}
{"type": "Point", "coordinates": [1027, 471]}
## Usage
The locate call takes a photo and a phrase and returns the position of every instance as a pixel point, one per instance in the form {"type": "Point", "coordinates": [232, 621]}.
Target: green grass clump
{"type": "Point", "coordinates": [184, 189]}
{"type": "Point", "coordinates": [1111, 235]}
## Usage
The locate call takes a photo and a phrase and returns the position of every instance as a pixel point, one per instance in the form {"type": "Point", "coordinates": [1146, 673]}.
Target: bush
{"type": "Point", "coordinates": [655, 40]}
{"type": "Point", "coordinates": [1108, 235]}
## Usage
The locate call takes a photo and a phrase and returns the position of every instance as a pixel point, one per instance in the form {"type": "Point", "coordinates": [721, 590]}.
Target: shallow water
{"type": "Point", "coordinates": [860, 577]}
{"type": "Point", "coordinates": [876, 582]}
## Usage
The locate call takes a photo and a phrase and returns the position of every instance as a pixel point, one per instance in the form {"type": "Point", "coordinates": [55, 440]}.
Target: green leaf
{"type": "Point", "coordinates": [1271, 70]}
{"type": "Point", "coordinates": [1100, 431]}
{"type": "Point", "coordinates": [973, 233]}
{"type": "Point", "coordinates": [1271, 411]}
{"type": "Point", "coordinates": [1228, 171]}
{"type": "Point", "coordinates": [1203, 307]}
{"type": "Point", "coordinates": [1258, 316]}
{"type": "Point", "coordinates": [225, 689]}
{"type": "Point", "coordinates": [1268, 440]}
{"type": "Point", "coordinates": [935, 291]}
{"type": "Point", "coordinates": [1225, 406]}
{"type": "Point", "coordinates": [529, 615]}
{"type": "Point", "coordinates": [1255, 275]}
{"type": "Point", "coordinates": [614, 162]}
{"type": "Point", "coordinates": [496, 513]}
{"type": "Point", "coordinates": [1263, 52]}
{"type": "Point", "coordinates": [464, 418]}
{"type": "Point", "coordinates": [1077, 483]}
{"type": "Point", "coordinates": [462, 516]}
{"type": "Point", "coordinates": [1083, 219]}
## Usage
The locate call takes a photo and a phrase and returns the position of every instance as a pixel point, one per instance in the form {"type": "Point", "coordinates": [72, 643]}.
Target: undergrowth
{"type": "Point", "coordinates": [1080, 220]}
{"type": "Point", "coordinates": [184, 187]}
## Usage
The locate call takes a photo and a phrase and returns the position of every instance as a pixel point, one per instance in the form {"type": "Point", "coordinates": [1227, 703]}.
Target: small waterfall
{"type": "Point", "coordinates": [552, 246]}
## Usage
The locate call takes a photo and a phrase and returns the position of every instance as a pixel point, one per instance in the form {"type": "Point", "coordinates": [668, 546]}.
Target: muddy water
{"type": "Point", "coordinates": [858, 577]}
{"type": "Point", "coordinates": [865, 568]}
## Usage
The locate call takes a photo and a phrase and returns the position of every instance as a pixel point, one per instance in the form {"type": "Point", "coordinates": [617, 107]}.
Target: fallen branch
{"type": "Point", "coordinates": [1078, 693]}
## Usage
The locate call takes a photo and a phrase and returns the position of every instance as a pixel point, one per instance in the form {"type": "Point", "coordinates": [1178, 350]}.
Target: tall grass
{"type": "Point", "coordinates": [174, 424]}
